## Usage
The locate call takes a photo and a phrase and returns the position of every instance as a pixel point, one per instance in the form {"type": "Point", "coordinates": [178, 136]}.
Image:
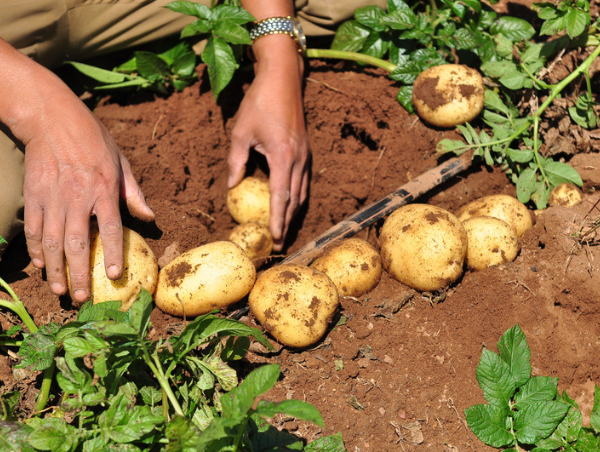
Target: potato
{"type": "Point", "coordinates": [504, 207]}
{"type": "Point", "coordinates": [565, 194]}
{"type": "Point", "coordinates": [423, 246]}
{"type": "Point", "coordinates": [140, 270]}
{"type": "Point", "coordinates": [448, 95]}
{"type": "Point", "coordinates": [209, 277]}
{"type": "Point", "coordinates": [250, 201]}
{"type": "Point", "coordinates": [255, 240]}
{"type": "Point", "coordinates": [294, 303]}
{"type": "Point", "coordinates": [353, 265]}
{"type": "Point", "coordinates": [490, 241]}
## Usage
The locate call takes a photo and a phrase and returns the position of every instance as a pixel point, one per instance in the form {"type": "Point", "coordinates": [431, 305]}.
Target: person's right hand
{"type": "Point", "coordinates": [73, 170]}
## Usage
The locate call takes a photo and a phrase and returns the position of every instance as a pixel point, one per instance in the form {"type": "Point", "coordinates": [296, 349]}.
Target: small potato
{"type": "Point", "coordinates": [448, 95]}
{"type": "Point", "coordinates": [250, 201]}
{"type": "Point", "coordinates": [140, 270]}
{"type": "Point", "coordinates": [209, 277]}
{"type": "Point", "coordinates": [294, 303]}
{"type": "Point", "coordinates": [255, 240]}
{"type": "Point", "coordinates": [423, 246]}
{"type": "Point", "coordinates": [504, 207]}
{"type": "Point", "coordinates": [565, 194]}
{"type": "Point", "coordinates": [353, 265]}
{"type": "Point", "coordinates": [490, 242]}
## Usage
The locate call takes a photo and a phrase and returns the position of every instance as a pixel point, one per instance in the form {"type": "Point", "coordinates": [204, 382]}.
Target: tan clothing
{"type": "Point", "coordinates": [53, 31]}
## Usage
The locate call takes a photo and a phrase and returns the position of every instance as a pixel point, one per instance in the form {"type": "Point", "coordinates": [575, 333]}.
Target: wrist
{"type": "Point", "coordinates": [277, 53]}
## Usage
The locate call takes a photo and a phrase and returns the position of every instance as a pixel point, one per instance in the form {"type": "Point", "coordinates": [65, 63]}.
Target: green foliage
{"type": "Point", "coordinates": [224, 26]}
{"type": "Point", "coordinates": [525, 410]}
{"type": "Point", "coordinates": [121, 390]}
{"type": "Point", "coordinates": [160, 72]}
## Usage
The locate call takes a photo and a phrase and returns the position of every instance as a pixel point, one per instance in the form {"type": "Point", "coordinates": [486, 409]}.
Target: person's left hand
{"type": "Point", "coordinates": [271, 120]}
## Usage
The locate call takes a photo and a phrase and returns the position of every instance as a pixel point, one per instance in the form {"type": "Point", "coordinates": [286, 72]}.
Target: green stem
{"type": "Point", "coordinates": [156, 368]}
{"type": "Point", "coordinates": [44, 394]}
{"type": "Point", "coordinates": [11, 343]}
{"type": "Point", "coordinates": [238, 436]}
{"type": "Point", "coordinates": [538, 82]}
{"type": "Point", "coordinates": [353, 56]}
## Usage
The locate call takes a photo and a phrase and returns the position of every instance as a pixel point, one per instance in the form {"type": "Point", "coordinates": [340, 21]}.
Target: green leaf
{"type": "Point", "coordinates": [191, 9]}
{"type": "Point", "coordinates": [405, 98]}
{"type": "Point", "coordinates": [587, 441]}
{"type": "Point", "coordinates": [198, 27]}
{"type": "Point", "coordinates": [540, 195]}
{"type": "Point", "coordinates": [395, 5]}
{"type": "Point", "coordinates": [447, 145]}
{"type": "Point", "coordinates": [514, 80]}
{"type": "Point", "coordinates": [38, 349]}
{"type": "Point", "coordinates": [13, 437]}
{"type": "Point", "coordinates": [375, 46]}
{"type": "Point", "coordinates": [151, 395]}
{"type": "Point", "coordinates": [537, 389]}
{"type": "Point", "coordinates": [138, 315]}
{"type": "Point", "coordinates": [595, 414]}
{"type": "Point", "coordinates": [98, 74]}
{"type": "Point", "coordinates": [233, 14]}
{"type": "Point", "coordinates": [232, 32]}
{"type": "Point", "coordinates": [333, 443]}
{"type": "Point", "coordinates": [577, 21]}
{"type": "Point", "coordinates": [175, 52]}
{"type": "Point", "coordinates": [78, 347]}
{"type": "Point", "coordinates": [401, 19]}
{"type": "Point", "coordinates": [221, 63]}
{"type": "Point", "coordinates": [488, 423]}
{"type": "Point", "coordinates": [515, 352]}
{"type": "Point", "coordinates": [240, 400]}
{"type": "Point", "coordinates": [497, 69]}
{"type": "Point", "coordinates": [151, 66]}
{"type": "Point", "coordinates": [570, 426]}
{"type": "Point", "coordinates": [182, 435]}
{"type": "Point", "coordinates": [370, 16]}
{"type": "Point", "coordinates": [504, 46]}
{"type": "Point", "coordinates": [296, 408]}
{"type": "Point", "coordinates": [513, 28]}
{"type": "Point", "coordinates": [495, 379]}
{"type": "Point", "coordinates": [138, 81]}
{"type": "Point", "coordinates": [520, 155]}
{"type": "Point", "coordinates": [464, 39]}
{"type": "Point", "coordinates": [538, 420]}
{"type": "Point", "coordinates": [558, 172]}
{"type": "Point", "coordinates": [102, 311]}
{"type": "Point", "coordinates": [55, 435]}
{"type": "Point", "coordinates": [109, 328]}
{"type": "Point", "coordinates": [350, 36]}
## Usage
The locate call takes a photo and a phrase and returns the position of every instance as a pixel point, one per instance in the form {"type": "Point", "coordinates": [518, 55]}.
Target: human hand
{"type": "Point", "coordinates": [73, 170]}
{"type": "Point", "coordinates": [271, 120]}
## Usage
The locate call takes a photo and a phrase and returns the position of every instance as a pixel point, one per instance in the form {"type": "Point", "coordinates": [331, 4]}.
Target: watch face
{"type": "Point", "coordinates": [300, 36]}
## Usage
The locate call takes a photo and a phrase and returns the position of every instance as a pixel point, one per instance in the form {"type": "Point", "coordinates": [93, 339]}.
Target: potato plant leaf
{"type": "Point", "coordinates": [13, 437]}
{"type": "Point", "coordinates": [538, 420]}
{"type": "Point", "coordinates": [99, 74]}
{"type": "Point", "coordinates": [513, 349]}
{"type": "Point", "coordinates": [489, 425]}
{"type": "Point", "coordinates": [221, 63]}
{"type": "Point", "coordinates": [38, 349]}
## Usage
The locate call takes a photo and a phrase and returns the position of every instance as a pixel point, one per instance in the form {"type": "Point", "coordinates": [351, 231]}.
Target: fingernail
{"type": "Point", "coordinates": [113, 272]}
{"type": "Point", "coordinates": [58, 288]}
{"type": "Point", "coordinates": [230, 182]}
{"type": "Point", "coordinates": [80, 295]}
{"type": "Point", "coordinates": [37, 263]}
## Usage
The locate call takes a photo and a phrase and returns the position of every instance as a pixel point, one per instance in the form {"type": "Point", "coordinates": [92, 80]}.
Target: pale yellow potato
{"type": "Point", "coordinates": [448, 95]}
{"type": "Point", "coordinates": [256, 240]}
{"type": "Point", "coordinates": [565, 195]}
{"type": "Point", "coordinates": [209, 277]}
{"type": "Point", "coordinates": [140, 269]}
{"type": "Point", "coordinates": [294, 303]}
{"type": "Point", "coordinates": [490, 241]}
{"type": "Point", "coordinates": [504, 207]}
{"type": "Point", "coordinates": [353, 265]}
{"type": "Point", "coordinates": [423, 246]}
{"type": "Point", "coordinates": [250, 201]}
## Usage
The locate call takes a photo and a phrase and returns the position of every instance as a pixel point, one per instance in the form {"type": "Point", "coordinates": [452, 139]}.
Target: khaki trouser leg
{"type": "Point", "coordinates": [11, 197]}
{"type": "Point", "coordinates": [321, 17]}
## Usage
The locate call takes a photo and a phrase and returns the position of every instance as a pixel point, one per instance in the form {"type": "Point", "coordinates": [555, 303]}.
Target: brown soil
{"type": "Point", "coordinates": [399, 373]}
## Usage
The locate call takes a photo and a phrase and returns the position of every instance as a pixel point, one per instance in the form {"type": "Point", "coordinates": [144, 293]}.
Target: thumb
{"type": "Point", "coordinates": [132, 193]}
{"type": "Point", "coordinates": [238, 157]}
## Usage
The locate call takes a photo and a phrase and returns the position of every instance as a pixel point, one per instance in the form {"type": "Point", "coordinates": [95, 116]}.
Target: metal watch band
{"type": "Point", "coordinates": [273, 25]}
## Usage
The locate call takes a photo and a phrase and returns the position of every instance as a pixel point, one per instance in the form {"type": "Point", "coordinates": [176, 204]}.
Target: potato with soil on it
{"type": "Point", "coordinates": [448, 95]}
{"type": "Point", "coordinates": [140, 269]}
{"type": "Point", "coordinates": [503, 207]}
{"type": "Point", "coordinates": [490, 241]}
{"type": "Point", "coordinates": [423, 246]}
{"type": "Point", "coordinates": [565, 195]}
{"type": "Point", "coordinates": [250, 201]}
{"type": "Point", "coordinates": [294, 303]}
{"type": "Point", "coordinates": [353, 265]}
{"type": "Point", "coordinates": [256, 241]}
{"type": "Point", "coordinates": [209, 277]}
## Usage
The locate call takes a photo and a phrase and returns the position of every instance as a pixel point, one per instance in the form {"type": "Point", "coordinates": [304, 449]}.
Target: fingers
{"type": "Point", "coordinates": [111, 233]}
{"type": "Point", "coordinates": [77, 253]}
{"type": "Point", "coordinates": [132, 193]}
{"type": "Point", "coordinates": [238, 156]}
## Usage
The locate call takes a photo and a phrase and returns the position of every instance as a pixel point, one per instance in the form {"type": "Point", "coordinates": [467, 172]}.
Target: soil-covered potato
{"type": "Point", "coordinates": [250, 201]}
{"type": "Point", "coordinates": [490, 241]}
{"type": "Point", "coordinates": [256, 240]}
{"type": "Point", "coordinates": [140, 269]}
{"type": "Point", "coordinates": [423, 246]}
{"type": "Point", "coordinates": [209, 277]}
{"type": "Point", "coordinates": [294, 303]}
{"type": "Point", "coordinates": [503, 207]}
{"type": "Point", "coordinates": [448, 95]}
{"type": "Point", "coordinates": [353, 265]}
{"type": "Point", "coordinates": [565, 195]}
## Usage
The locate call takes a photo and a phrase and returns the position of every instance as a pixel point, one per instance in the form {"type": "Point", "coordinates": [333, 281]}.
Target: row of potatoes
{"type": "Point", "coordinates": [423, 246]}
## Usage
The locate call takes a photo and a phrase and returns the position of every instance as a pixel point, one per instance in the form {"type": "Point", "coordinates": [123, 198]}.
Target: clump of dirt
{"type": "Point", "coordinates": [398, 368]}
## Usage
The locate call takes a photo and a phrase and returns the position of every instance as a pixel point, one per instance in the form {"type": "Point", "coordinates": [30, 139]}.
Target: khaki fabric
{"type": "Point", "coordinates": [54, 31]}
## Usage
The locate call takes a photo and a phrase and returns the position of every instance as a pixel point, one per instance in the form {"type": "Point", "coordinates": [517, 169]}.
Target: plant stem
{"type": "Point", "coordinates": [352, 56]}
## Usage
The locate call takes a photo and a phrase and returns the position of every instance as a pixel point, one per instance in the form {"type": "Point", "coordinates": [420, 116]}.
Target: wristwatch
{"type": "Point", "coordinates": [281, 25]}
